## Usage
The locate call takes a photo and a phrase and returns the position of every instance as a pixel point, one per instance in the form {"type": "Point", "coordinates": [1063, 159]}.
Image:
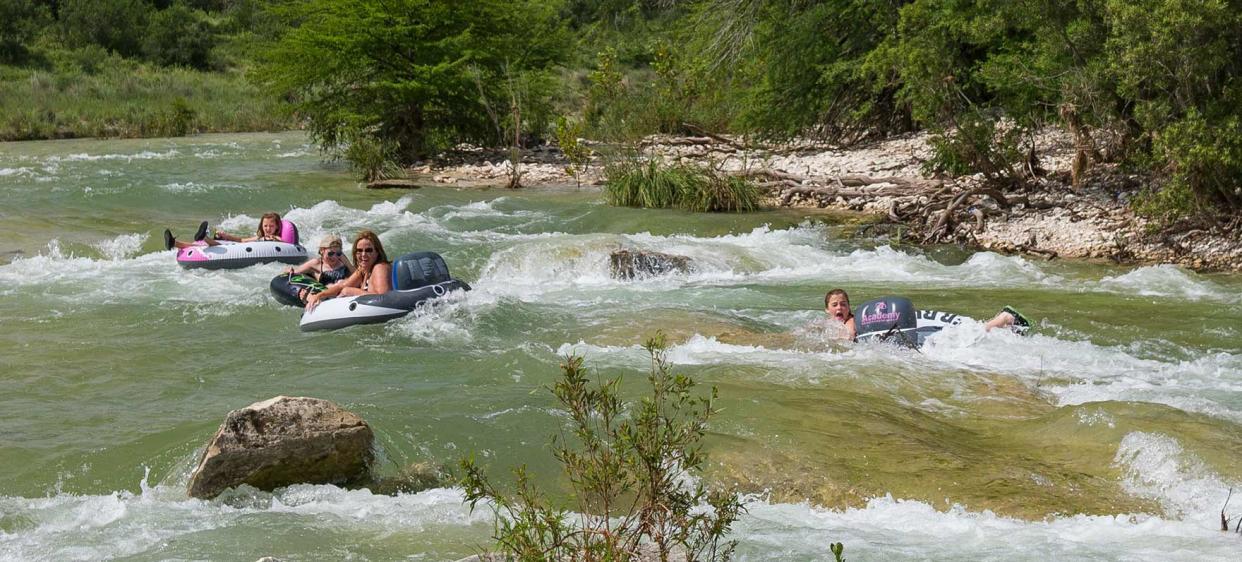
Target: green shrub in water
{"type": "Point", "coordinates": [651, 183]}
{"type": "Point", "coordinates": [372, 159]}
{"type": "Point", "coordinates": [628, 475]}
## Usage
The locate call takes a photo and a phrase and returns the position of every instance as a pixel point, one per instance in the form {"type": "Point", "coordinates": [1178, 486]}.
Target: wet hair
{"type": "Point", "coordinates": [273, 216]}
{"type": "Point", "coordinates": [835, 292]}
{"type": "Point", "coordinates": [380, 256]}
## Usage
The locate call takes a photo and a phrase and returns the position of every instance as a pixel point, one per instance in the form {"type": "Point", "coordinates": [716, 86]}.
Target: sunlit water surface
{"type": "Point", "coordinates": [1110, 433]}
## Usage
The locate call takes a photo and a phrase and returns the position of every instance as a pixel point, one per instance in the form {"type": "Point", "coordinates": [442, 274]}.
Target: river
{"type": "Point", "coordinates": [1111, 432]}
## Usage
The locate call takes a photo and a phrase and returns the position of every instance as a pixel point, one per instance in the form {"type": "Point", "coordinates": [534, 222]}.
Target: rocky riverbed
{"type": "Point", "coordinates": [1048, 218]}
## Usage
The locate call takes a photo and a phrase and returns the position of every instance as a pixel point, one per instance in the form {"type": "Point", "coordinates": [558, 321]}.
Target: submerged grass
{"type": "Point", "coordinates": [127, 99]}
{"type": "Point", "coordinates": [652, 183]}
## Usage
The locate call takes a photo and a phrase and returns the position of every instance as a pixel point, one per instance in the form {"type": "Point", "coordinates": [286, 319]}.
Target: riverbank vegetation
{"type": "Point", "coordinates": [653, 183]}
{"type": "Point", "coordinates": [132, 68]}
{"type": "Point", "coordinates": [634, 471]}
{"type": "Point", "coordinates": [1149, 87]}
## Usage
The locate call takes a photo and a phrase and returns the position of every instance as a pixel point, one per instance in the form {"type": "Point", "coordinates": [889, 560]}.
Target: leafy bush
{"type": "Point", "coordinates": [179, 36]}
{"type": "Point", "coordinates": [116, 25]}
{"type": "Point", "coordinates": [978, 144]}
{"type": "Point", "coordinates": [630, 473]}
{"type": "Point", "coordinates": [177, 120]}
{"type": "Point", "coordinates": [20, 20]}
{"type": "Point", "coordinates": [649, 182]}
{"type": "Point", "coordinates": [373, 159]}
{"type": "Point", "coordinates": [634, 182]}
{"type": "Point", "coordinates": [579, 156]}
{"type": "Point", "coordinates": [1205, 170]}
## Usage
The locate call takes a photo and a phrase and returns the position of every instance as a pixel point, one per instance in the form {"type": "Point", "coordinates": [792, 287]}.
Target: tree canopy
{"type": "Point", "coordinates": [419, 74]}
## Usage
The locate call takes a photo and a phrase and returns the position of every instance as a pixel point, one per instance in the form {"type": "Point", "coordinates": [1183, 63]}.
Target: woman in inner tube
{"type": "Point", "coordinates": [329, 267]}
{"type": "Point", "coordinates": [372, 275]}
{"type": "Point", "coordinates": [269, 231]}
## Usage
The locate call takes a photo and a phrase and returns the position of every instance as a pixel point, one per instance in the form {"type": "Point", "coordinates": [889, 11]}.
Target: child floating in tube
{"type": "Point", "coordinates": [269, 230]}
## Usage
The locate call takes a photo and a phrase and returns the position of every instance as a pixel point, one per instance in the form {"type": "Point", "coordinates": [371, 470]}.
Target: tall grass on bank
{"type": "Point", "coordinates": [128, 99]}
{"type": "Point", "coordinates": [652, 183]}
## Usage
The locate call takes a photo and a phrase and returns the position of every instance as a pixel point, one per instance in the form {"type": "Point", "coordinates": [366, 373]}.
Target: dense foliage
{"type": "Point", "coordinates": [1153, 85]}
{"type": "Point", "coordinates": [422, 75]}
{"type": "Point", "coordinates": [655, 184]}
{"type": "Point", "coordinates": [71, 68]}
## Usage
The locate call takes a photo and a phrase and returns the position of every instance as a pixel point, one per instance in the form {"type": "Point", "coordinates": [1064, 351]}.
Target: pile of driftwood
{"type": "Point", "coordinates": [934, 210]}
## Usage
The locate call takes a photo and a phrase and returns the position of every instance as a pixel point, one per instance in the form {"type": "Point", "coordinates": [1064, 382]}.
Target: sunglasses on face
{"type": "Point", "coordinates": [365, 250]}
{"type": "Point", "coordinates": [334, 253]}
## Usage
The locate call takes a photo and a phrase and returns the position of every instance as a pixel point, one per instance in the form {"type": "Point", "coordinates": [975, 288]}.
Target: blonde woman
{"type": "Point", "coordinates": [329, 266]}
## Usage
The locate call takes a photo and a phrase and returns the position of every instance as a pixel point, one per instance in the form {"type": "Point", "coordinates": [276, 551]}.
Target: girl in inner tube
{"type": "Point", "coordinates": [268, 231]}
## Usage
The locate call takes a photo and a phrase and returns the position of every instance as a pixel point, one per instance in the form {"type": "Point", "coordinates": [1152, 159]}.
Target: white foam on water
{"type": "Point", "coordinates": [1167, 281]}
{"type": "Point", "coordinates": [1071, 372]}
{"type": "Point", "coordinates": [482, 209]}
{"type": "Point", "coordinates": [16, 172]}
{"type": "Point", "coordinates": [70, 527]}
{"type": "Point", "coordinates": [785, 366]}
{"type": "Point", "coordinates": [85, 157]}
{"type": "Point", "coordinates": [1158, 468]}
{"type": "Point", "coordinates": [1209, 383]}
{"type": "Point", "coordinates": [534, 267]}
{"type": "Point", "coordinates": [122, 247]}
{"type": "Point", "coordinates": [440, 321]}
{"type": "Point", "coordinates": [195, 187]}
{"type": "Point", "coordinates": [59, 278]}
{"type": "Point", "coordinates": [895, 529]}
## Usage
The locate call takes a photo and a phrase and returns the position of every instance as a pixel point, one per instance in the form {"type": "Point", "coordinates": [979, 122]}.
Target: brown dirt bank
{"type": "Point", "coordinates": [1049, 218]}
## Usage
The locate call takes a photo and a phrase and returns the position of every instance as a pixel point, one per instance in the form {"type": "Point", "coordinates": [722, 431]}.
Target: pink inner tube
{"type": "Point", "coordinates": [288, 232]}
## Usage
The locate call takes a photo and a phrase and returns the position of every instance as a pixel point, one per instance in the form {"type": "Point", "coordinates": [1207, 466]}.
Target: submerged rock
{"type": "Point", "coordinates": [282, 441]}
{"type": "Point", "coordinates": [628, 264]}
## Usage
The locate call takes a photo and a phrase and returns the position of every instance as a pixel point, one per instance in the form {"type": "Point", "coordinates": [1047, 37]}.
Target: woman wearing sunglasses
{"type": "Point", "coordinates": [328, 268]}
{"type": "Point", "coordinates": [372, 276]}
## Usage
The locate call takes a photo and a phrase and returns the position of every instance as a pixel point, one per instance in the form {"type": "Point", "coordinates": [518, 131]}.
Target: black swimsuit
{"type": "Point", "coordinates": [330, 276]}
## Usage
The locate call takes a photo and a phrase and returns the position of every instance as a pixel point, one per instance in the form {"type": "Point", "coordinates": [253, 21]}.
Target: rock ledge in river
{"type": "Point", "coordinates": [627, 264]}
{"type": "Point", "coordinates": [282, 441]}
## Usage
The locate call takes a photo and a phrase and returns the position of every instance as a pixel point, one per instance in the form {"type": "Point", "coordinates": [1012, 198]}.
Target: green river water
{"type": "Point", "coordinates": [1112, 432]}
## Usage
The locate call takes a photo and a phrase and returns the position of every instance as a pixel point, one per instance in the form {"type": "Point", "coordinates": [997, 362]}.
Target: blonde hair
{"type": "Point", "coordinates": [329, 241]}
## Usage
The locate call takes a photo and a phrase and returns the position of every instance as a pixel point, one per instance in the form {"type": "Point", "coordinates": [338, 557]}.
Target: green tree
{"type": "Point", "coordinates": [178, 36]}
{"type": "Point", "coordinates": [20, 21]}
{"type": "Point", "coordinates": [802, 67]}
{"type": "Point", "coordinates": [409, 71]}
{"type": "Point", "coordinates": [116, 25]}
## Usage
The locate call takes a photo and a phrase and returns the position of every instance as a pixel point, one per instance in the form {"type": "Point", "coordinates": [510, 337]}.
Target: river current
{"type": "Point", "coordinates": [1111, 432]}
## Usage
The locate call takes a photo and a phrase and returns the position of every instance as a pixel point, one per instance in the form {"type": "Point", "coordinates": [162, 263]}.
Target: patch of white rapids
{"type": "Point", "coordinates": [73, 527]}
{"type": "Point", "coordinates": [529, 261]}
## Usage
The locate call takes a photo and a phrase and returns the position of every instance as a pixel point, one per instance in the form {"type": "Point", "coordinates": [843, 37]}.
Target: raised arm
{"type": "Point", "coordinates": [307, 265]}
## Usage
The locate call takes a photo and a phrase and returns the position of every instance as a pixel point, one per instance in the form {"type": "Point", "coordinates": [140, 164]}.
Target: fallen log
{"type": "Point", "coordinates": [395, 184]}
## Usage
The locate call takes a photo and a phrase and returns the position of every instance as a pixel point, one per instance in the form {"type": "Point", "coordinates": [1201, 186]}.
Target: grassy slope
{"type": "Point", "coordinates": [126, 99]}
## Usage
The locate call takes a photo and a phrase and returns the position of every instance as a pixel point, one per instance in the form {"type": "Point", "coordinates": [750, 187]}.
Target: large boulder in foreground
{"type": "Point", "coordinates": [628, 264]}
{"type": "Point", "coordinates": [282, 441]}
